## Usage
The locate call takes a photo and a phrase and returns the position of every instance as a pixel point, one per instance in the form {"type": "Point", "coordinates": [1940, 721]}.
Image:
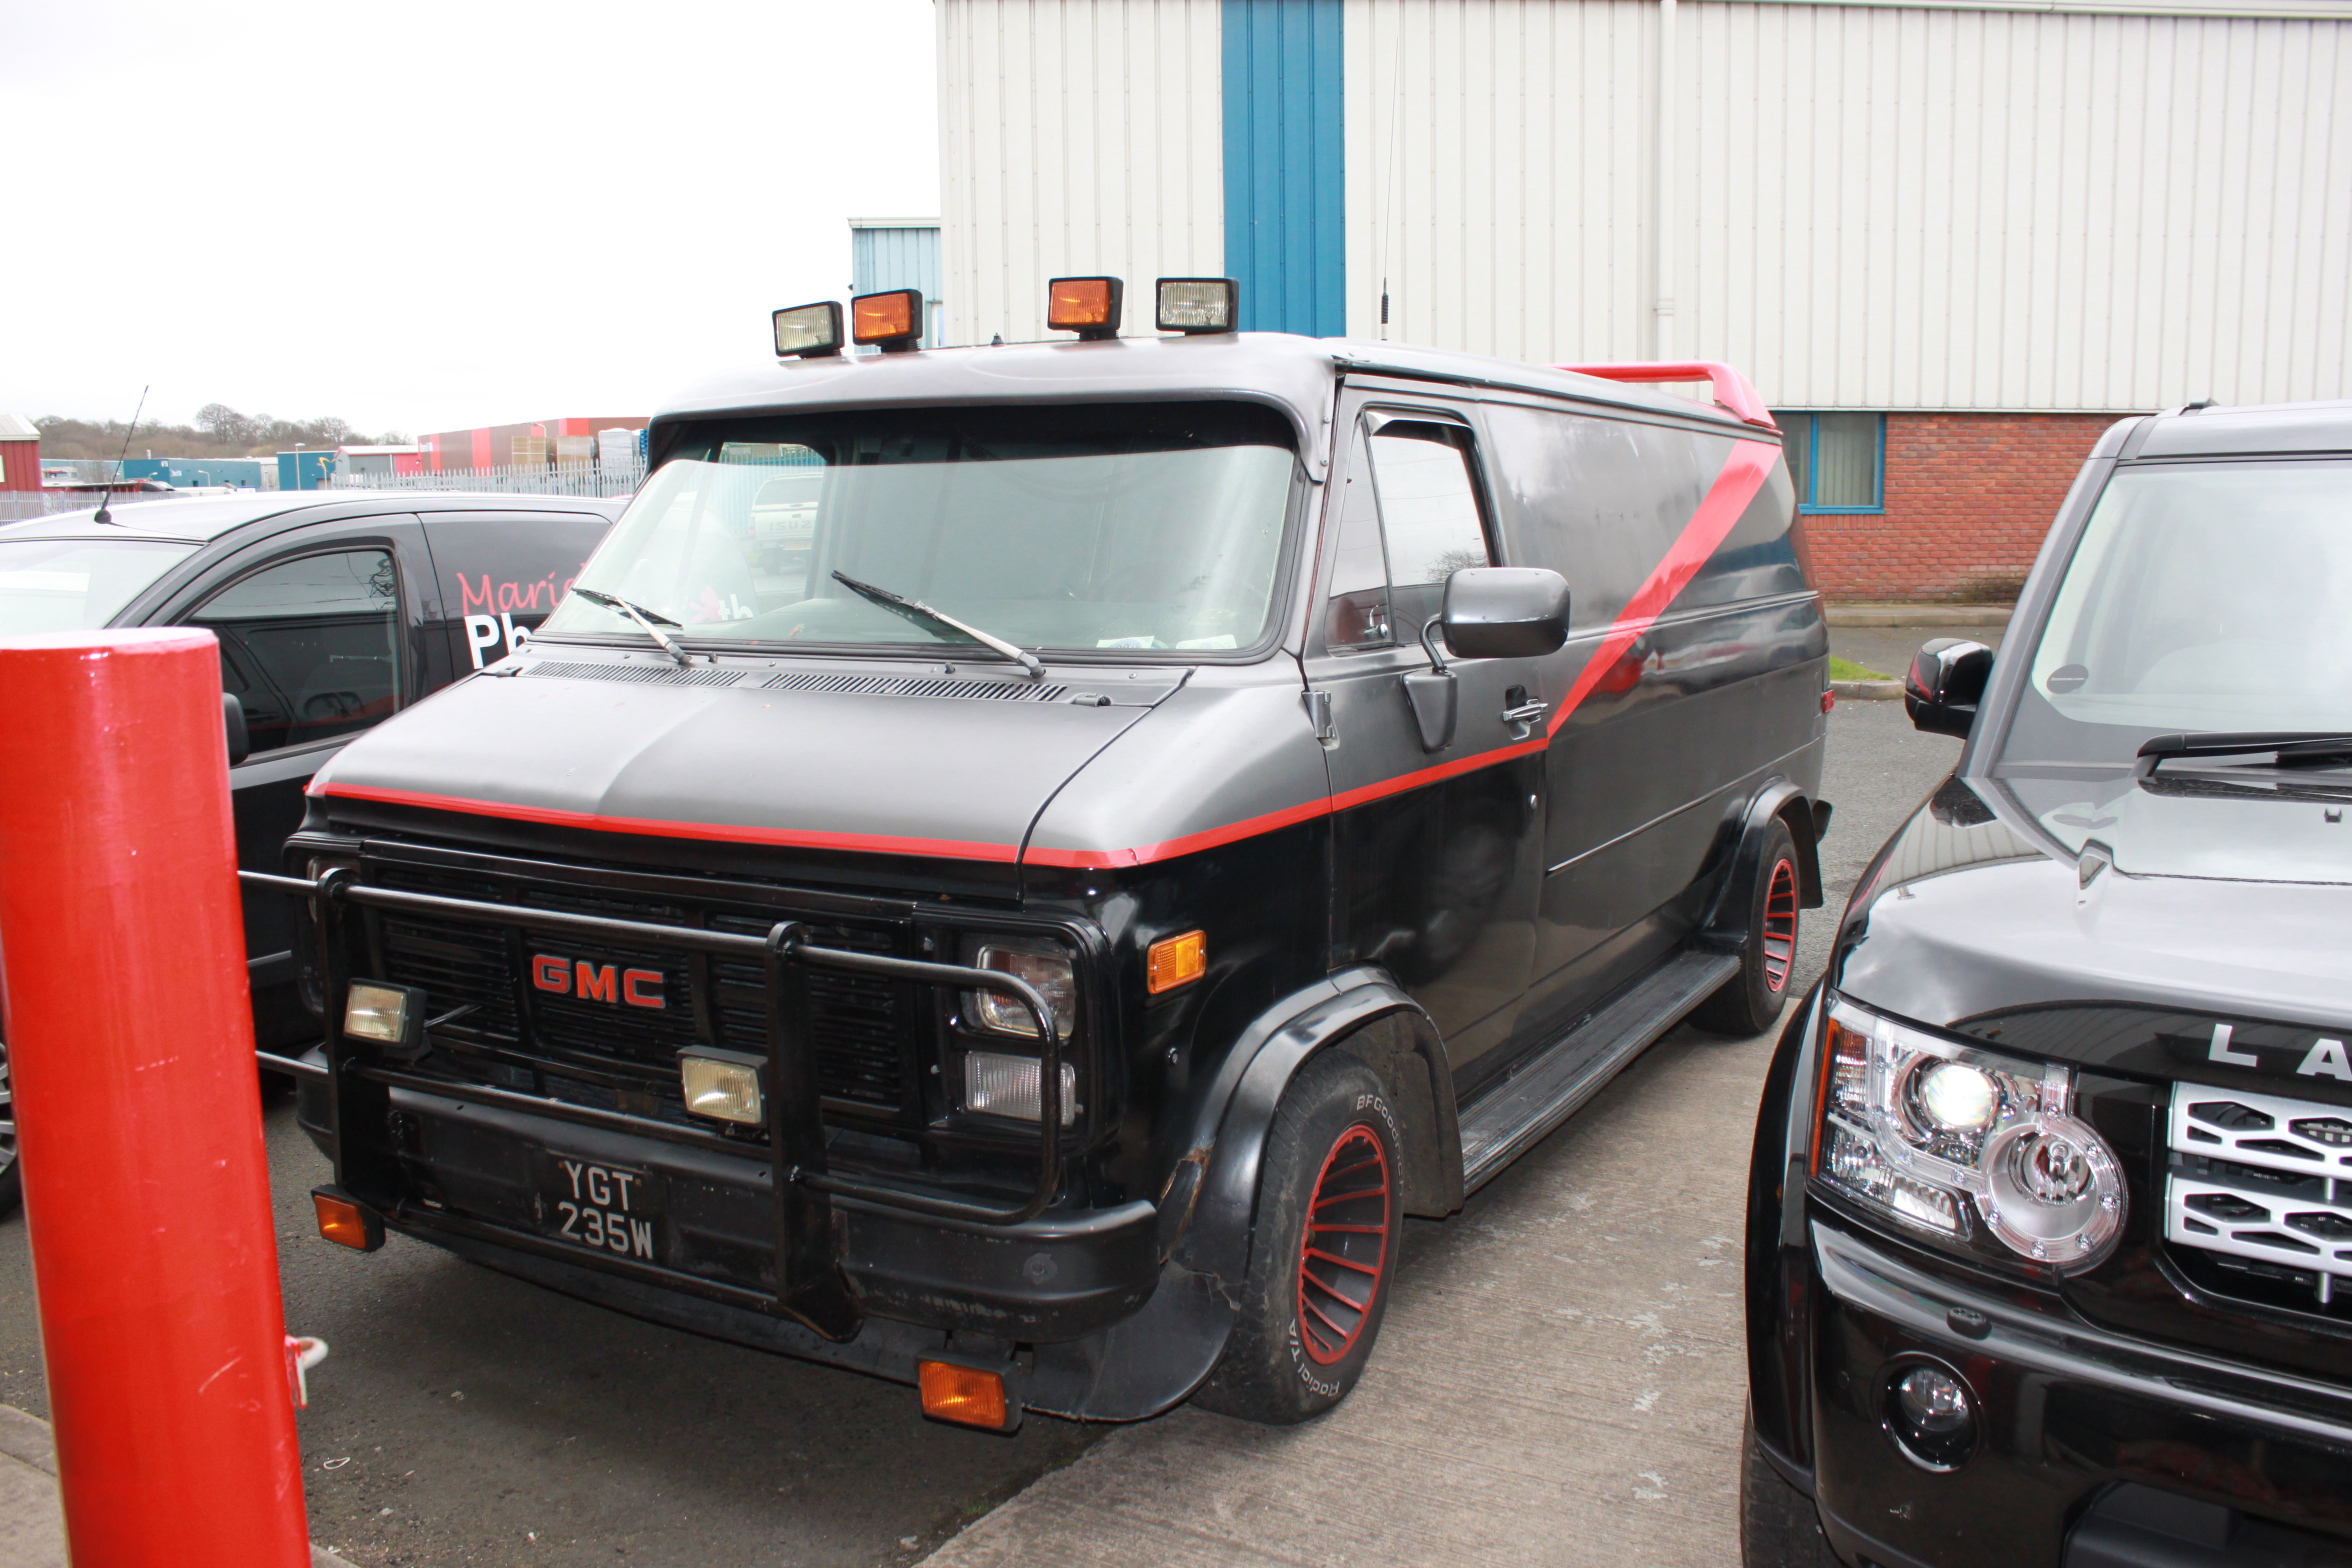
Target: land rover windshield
{"type": "Point", "coordinates": [2201, 598]}
{"type": "Point", "coordinates": [71, 585]}
{"type": "Point", "coordinates": [1151, 529]}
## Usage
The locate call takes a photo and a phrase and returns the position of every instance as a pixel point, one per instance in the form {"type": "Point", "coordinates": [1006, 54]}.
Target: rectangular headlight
{"type": "Point", "coordinates": [1197, 305]}
{"type": "Point", "coordinates": [389, 1015]}
{"type": "Point", "coordinates": [724, 1087]}
{"type": "Point", "coordinates": [998, 1085]}
{"type": "Point", "coordinates": [1046, 967]}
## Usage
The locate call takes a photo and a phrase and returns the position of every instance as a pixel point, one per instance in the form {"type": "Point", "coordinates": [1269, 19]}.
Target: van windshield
{"type": "Point", "coordinates": [72, 585]}
{"type": "Point", "coordinates": [2202, 597]}
{"type": "Point", "coordinates": [1141, 527]}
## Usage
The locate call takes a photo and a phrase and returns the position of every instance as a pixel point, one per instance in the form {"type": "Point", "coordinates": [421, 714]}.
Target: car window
{"type": "Point", "coordinates": [310, 646]}
{"type": "Point", "coordinates": [1358, 615]}
{"type": "Point", "coordinates": [1429, 521]}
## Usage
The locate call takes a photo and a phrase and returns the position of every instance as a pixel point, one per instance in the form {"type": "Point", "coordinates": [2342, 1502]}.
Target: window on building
{"type": "Point", "coordinates": [1837, 460]}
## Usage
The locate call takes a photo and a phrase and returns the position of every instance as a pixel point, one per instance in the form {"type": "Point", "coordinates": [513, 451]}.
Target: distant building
{"type": "Point", "coordinates": [537, 444]}
{"type": "Point", "coordinates": [406, 459]}
{"type": "Point", "coordinates": [186, 473]}
{"type": "Point", "coordinates": [305, 470]}
{"type": "Point", "coordinates": [20, 453]}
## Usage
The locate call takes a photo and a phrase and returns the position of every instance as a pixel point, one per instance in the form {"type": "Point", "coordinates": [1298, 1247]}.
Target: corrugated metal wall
{"type": "Point", "coordinates": [1872, 207]}
{"type": "Point", "coordinates": [1076, 136]}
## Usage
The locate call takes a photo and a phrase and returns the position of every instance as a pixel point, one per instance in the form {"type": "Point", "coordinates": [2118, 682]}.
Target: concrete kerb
{"type": "Point", "coordinates": [32, 1528]}
{"type": "Point", "coordinates": [1866, 691]}
{"type": "Point", "coordinates": [1916, 614]}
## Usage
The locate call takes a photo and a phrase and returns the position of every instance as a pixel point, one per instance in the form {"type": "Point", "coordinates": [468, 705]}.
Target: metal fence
{"type": "Point", "coordinates": [530, 479]}
{"type": "Point", "coordinates": [18, 505]}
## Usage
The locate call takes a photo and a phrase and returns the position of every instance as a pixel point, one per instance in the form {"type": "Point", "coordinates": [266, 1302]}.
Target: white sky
{"type": "Point", "coordinates": [436, 215]}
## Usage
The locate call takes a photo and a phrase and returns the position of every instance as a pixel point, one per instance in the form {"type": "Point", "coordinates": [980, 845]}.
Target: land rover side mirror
{"type": "Point", "coordinates": [1946, 682]}
{"type": "Point", "coordinates": [1505, 612]}
{"type": "Point", "coordinates": [233, 715]}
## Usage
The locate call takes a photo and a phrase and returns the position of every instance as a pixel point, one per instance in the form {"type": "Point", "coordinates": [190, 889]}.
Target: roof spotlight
{"type": "Point", "coordinates": [809, 331]}
{"type": "Point", "coordinates": [1086, 306]}
{"type": "Point", "coordinates": [893, 321]}
{"type": "Point", "coordinates": [1193, 305]}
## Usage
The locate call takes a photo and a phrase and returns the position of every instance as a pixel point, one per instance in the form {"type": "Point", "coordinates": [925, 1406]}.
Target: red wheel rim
{"type": "Point", "coordinates": [1343, 1251]}
{"type": "Point", "coordinates": [1780, 927]}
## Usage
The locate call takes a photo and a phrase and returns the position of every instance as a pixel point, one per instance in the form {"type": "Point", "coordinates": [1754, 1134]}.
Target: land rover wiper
{"type": "Point", "coordinates": [2288, 746]}
{"type": "Point", "coordinates": [916, 610]}
{"type": "Point", "coordinates": [651, 621]}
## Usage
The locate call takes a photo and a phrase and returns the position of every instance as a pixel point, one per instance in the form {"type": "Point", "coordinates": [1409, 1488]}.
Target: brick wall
{"type": "Point", "coordinates": [1968, 498]}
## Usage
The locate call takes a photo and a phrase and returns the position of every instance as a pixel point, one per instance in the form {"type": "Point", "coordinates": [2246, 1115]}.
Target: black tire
{"type": "Point", "coordinates": [11, 1173]}
{"type": "Point", "coordinates": [1750, 1001]}
{"type": "Point", "coordinates": [1779, 1526]}
{"type": "Point", "coordinates": [1312, 1304]}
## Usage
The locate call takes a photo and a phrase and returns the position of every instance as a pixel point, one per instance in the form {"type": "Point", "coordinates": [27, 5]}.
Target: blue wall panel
{"type": "Point", "coordinates": [1285, 198]}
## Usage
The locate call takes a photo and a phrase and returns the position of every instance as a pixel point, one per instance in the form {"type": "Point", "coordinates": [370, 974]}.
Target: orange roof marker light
{"type": "Point", "coordinates": [967, 1396]}
{"type": "Point", "coordinates": [1086, 306]}
{"type": "Point", "coordinates": [1196, 305]}
{"type": "Point", "coordinates": [809, 331]}
{"type": "Point", "coordinates": [892, 321]}
{"type": "Point", "coordinates": [1176, 960]}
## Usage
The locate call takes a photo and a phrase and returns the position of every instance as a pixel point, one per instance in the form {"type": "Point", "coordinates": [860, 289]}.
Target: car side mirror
{"type": "Point", "coordinates": [1504, 612]}
{"type": "Point", "coordinates": [233, 715]}
{"type": "Point", "coordinates": [1946, 683]}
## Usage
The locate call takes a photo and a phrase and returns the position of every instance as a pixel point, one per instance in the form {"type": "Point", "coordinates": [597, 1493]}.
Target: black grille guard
{"type": "Point", "coordinates": [809, 1280]}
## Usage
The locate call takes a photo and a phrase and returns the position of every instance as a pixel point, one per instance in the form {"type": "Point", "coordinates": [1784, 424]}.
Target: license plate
{"type": "Point", "coordinates": [602, 1208]}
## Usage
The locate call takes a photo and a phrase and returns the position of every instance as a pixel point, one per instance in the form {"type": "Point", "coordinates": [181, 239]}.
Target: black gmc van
{"type": "Point", "coordinates": [1177, 807]}
{"type": "Point", "coordinates": [334, 609]}
{"type": "Point", "coordinates": [2050, 1234]}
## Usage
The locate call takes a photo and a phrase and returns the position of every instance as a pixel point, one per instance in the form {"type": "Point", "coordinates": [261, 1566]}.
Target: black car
{"type": "Point", "coordinates": [2050, 1237]}
{"type": "Point", "coordinates": [1017, 867]}
{"type": "Point", "coordinates": [334, 610]}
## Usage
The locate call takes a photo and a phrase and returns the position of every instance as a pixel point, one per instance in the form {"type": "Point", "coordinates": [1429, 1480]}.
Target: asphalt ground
{"type": "Point", "coordinates": [467, 1418]}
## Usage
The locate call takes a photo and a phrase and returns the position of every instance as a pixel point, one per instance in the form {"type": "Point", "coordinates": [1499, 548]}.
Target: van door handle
{"type": "Point", "coordinates": [1526, 712]}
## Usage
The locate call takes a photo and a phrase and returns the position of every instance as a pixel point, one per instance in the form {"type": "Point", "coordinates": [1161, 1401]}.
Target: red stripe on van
{"type": "Point", "coordinates": [1726, 502]}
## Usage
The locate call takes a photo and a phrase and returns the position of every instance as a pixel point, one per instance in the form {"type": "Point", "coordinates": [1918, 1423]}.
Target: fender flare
{"type": "Point", "coordinates": [1237, 1115]}
{"type": "Point", "coordinates": [1777, 1261]}
{"type": "Point", "coordinates": [1726, 924]}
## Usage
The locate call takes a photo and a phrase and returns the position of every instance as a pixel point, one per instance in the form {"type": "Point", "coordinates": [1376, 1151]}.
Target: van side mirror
{"type": "Point", "coordinates": [1505, 612]}
{"type": "Point", "coordinates": [233, 715]}
{"type": "Point", "coordinates": [1946, 682]}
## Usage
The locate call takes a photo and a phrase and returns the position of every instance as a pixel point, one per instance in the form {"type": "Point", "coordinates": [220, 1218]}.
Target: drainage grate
{"type": "Point", "coordinates": [936, 686]}
{"type": "Point", "coordinates": [643, 674]}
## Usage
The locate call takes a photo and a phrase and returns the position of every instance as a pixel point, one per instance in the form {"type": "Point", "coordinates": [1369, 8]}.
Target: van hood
{"type": "Point", "coordinates": [863, 758]}
{"type": "Point", "coordinates": [2211, 910]}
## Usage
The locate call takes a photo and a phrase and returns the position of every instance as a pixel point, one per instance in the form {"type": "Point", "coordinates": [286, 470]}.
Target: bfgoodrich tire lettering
{"type": "Point", "coordinates": [1323, 1251]}
{"type": "Point", "coordinates": [1750, 1001]}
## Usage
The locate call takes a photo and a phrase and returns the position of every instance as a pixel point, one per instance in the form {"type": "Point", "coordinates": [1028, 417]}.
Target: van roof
{"type": "Point", "coordinates": [1295, 373]}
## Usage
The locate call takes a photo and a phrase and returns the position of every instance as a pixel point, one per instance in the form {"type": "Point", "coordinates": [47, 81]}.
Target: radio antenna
{"type": "Point", "coordinates": [104, 515]}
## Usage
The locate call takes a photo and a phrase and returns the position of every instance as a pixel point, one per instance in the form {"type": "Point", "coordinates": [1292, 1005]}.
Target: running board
{"type": "Point", "coordinates": [1516, 1114]}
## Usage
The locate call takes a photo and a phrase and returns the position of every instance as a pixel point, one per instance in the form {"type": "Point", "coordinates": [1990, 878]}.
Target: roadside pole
{"type": "Point", "coordinates": [130, 1040]}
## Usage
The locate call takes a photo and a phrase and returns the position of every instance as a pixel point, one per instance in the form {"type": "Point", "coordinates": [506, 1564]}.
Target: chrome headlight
{"type": "Point", "coordinates": [1964, 1143]}
{"type": "Point", "coordinates": [1046, 966]}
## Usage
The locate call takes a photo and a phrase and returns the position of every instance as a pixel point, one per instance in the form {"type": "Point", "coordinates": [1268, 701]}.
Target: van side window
{"type": "Point", "coordinates": [310, 646]}
{"type": "Point", "coordinates": [1429, 513]}
{"type": "Point", "coordinates": [1358, 616]}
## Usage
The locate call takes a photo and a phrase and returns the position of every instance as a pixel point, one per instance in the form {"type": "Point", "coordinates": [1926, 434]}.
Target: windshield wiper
{"type": "Point", "coordinates": [916, 610]}
{"type": "Point", "coordinates": [2289, 746]}
{"type": "Point", "coordinates": [646, 619]}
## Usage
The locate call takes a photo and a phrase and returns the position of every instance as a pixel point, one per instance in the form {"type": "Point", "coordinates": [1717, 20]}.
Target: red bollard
{"type": "Point", "coordinates": [130, 1037]}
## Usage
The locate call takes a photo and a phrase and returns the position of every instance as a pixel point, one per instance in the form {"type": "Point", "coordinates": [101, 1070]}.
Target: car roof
{"type": "Point", "coordinates": [2249, 430]}
{"type": "Point", "coordinates": [1293, 373]}
{"type": "Point", "coordinates": [202, 519]}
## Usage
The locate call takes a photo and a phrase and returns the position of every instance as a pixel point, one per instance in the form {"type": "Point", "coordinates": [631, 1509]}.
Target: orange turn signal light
{"type": "Point", "coordinates": [892, 318]}
{"type": "Point", "coordinates": [1086, 306]}
{"type": "Point", "coordinates": [345, 1223]}
{"type": "Point", "coordinates": [965, 1395]}
{"type": "Point", "coordinates": [1176, 960]}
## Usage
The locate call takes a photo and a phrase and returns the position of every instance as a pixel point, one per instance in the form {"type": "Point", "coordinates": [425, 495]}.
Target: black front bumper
{"type": "Point", "coordinates": [2096, 1450]}
{"type": "Point", "coordinates": [1098, 1327]}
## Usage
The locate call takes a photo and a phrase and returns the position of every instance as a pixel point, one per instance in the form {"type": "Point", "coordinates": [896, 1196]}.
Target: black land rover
{"type": "Point", "coordinates": [2050, 1236]}
{"type": "Point", "coordinates": [1017, 867]}
{"type": "Point", "coordinates": [334, 610]}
